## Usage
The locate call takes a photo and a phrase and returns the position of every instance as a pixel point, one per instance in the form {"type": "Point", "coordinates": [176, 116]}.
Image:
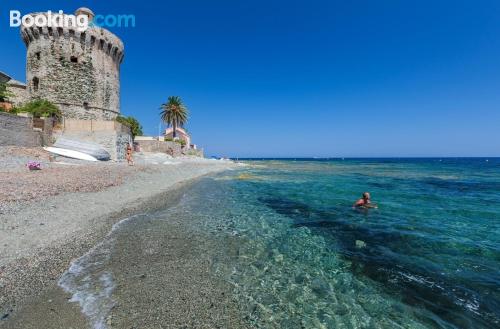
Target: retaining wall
{"type": "Point", "coordinates": [171, 148]}
{"type": "Point", "coordinates": [18, 131]}
{"type": "Point", "coordinates": [168, 147]}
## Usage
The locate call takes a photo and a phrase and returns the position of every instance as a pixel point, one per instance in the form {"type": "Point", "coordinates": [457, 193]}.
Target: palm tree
{"type": "Point", "coordinates": [174, 113]}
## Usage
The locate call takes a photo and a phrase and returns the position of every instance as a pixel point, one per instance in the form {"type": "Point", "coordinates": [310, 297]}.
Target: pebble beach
{"type": "Point", "coordinates": [52, 216]}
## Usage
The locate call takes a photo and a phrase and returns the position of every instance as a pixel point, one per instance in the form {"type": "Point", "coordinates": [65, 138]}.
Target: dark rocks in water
{"type": "Point", "coordinates": [374, 254]}
{"type": "Point", "coordinates": [460, 185]}
{"type": "Point", "coordinates": [341, 310]}
{"type": "Point", "coordinates": [286, 207]}
{"type": "Point", "coordinates": [320, 287]}
{"type": "Point", "coordinates": [6, 315]}
{"type": "Point", "coordinates": [259, 264]}
{"type": "Point", "coordinates": [268, 299]}
{"type": "Point", "coordinates": [318, 224]}
{"type": "Point", "coordinates": [291, 323]}
{"type": "Point", "coordinates": [300, 278]}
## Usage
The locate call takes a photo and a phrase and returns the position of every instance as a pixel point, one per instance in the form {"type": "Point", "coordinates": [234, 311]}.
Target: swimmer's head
{"type": "Point", "coordinates": [366, 196]}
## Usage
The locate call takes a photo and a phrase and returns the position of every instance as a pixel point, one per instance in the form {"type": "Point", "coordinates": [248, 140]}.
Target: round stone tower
{"type": "Point", "coordinates": [78, 71]}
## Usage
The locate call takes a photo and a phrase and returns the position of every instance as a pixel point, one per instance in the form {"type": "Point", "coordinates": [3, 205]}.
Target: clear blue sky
{"type": "Point", "coordinates": [308, 78]}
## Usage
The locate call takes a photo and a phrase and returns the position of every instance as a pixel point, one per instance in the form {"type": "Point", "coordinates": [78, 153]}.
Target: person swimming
{"type": "Point", "coordinates": [364, 202]}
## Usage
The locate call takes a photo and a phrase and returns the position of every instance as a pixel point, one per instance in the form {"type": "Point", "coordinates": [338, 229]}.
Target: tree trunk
{"type": "Point", "coordinates": [174, 131]}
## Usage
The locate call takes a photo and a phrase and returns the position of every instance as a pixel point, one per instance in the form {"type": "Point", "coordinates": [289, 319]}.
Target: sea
{"type": "Point", "coordinates": [302, 257]}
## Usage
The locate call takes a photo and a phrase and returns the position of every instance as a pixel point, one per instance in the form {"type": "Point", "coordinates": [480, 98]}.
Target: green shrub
{"type": "Point", "coordinates": [41, 108]}
{"type": "Point", "coordinates": [132, 123]}
{"type": "Point", "coordinates": [177, 140]}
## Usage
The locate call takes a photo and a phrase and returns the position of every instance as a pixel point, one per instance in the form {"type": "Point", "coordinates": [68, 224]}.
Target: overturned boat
{"type": "Point", "coordinates": [70, 153]}
{"type": "Point", "coordinates": [93, 149]}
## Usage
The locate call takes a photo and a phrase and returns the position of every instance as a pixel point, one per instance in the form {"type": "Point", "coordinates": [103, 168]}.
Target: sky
{"type": "Point", "coordinates": [273, 78]}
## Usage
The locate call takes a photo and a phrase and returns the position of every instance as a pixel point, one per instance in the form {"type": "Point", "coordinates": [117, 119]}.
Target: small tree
{"type": "Point", "coordinates": [41, 108]}
{"type": "Point", "coordinates": [133, 123]}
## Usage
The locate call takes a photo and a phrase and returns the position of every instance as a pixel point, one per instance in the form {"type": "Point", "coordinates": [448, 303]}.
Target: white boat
{"type": "Point", "coordinates": [70, 153]}
{"type": "Point", "coordinates": [93, 149]}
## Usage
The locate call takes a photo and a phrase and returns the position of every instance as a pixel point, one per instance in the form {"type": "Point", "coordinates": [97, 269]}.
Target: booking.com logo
{"type": "Point", "coordinates": [79, 22]}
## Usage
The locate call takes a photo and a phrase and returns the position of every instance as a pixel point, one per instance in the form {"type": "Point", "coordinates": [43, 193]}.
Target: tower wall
{"type": "Point", "coordinates": [78, 71]}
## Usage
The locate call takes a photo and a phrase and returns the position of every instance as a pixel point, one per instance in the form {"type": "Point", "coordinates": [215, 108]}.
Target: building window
{"type": "Point", "coordinates": [74, 59]}
{"type": "Point", "coordinates": [36, 83]}
{"type": "Point", "coordinates": [37, 54]}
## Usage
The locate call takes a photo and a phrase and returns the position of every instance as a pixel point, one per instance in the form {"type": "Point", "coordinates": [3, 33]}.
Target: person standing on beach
{"type": "Point", "coordinates": [130, 161]}
{"type": "Point", "coordinates": [364, 202]}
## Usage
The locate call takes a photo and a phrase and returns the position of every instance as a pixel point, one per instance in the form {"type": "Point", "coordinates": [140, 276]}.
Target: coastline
{"type": "Point", "coordinates": [40, 238]}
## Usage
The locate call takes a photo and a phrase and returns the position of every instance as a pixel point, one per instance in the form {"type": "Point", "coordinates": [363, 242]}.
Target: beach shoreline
{"type": "Point", "coordinates": [41, 237]}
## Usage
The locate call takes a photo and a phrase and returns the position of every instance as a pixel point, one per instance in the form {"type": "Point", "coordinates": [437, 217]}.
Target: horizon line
{"type": "Point", "coordinates": [371, 157]}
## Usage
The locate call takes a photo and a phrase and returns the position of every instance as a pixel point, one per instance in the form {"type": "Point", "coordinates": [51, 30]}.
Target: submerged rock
{"type": "Point", "coordinates": [360, 244]}
{"type": "Point", "coordinates": [320, 287]}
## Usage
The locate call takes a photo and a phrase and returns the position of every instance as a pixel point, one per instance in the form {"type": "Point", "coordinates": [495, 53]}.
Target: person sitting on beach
{"type": "Point", "coordinates": [130, 161]}
{"type": "Point", "coordinates": [364, 202]}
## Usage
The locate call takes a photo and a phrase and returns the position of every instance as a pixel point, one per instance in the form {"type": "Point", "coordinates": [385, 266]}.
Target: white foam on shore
{"type": "Point", "coordinates": [89, 284]}
{"type": "Point", "coordinates": [91, 290]}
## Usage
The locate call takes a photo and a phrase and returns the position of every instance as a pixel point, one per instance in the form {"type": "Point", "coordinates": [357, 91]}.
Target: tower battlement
{"type": "Point", "coordinates": [93, 37]}
{"type": "Point", "coordinates": [77, 70]}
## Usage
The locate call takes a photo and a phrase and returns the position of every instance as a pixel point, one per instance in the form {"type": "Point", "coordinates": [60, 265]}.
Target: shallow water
{"type": "Point", "coordinates": [296, 255]}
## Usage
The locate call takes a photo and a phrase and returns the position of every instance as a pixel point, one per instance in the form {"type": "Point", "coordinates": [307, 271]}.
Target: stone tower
{"type": "Point", "coordinates": [78, 71]}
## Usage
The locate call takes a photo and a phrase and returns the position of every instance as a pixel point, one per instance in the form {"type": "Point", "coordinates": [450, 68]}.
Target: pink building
{"type": "Point", "coordinates": [180, 134]}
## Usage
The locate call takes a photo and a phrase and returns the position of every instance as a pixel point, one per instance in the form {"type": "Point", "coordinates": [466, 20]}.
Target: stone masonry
{"type": "Point", "coordinates": [78, 71]}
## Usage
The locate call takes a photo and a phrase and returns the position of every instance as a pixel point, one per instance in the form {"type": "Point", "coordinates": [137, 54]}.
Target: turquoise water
{"type": "Point", "coordinates": [428, 257]}
{"type": "Point", "coordinates": [301, 257]}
